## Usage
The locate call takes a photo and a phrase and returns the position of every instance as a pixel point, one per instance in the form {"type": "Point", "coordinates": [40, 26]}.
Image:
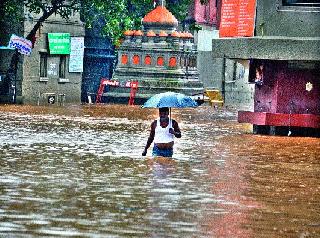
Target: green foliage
{"type": "Point", "coordinates": [179, 8]}
{"type": "Point", "coordinates": [9, 9]}
{"type": "Point", "coordinates": [195, 27]}
{"type": "Point", "coordinates": [117, 15]}
{"type": "Point", "coordinates": [122, 15]}
{"type": "Point", "coordinates": [10, 14]}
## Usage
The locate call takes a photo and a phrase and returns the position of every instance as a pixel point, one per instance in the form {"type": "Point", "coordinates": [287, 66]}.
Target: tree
{"type": "Point", "coordinates": [118, 16]}
{"type": "Point", "coordinates": [122, 15]}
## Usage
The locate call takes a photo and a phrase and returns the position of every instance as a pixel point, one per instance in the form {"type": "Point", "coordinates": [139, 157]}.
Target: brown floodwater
{"type": "Point", "coordinates": [77, 171]}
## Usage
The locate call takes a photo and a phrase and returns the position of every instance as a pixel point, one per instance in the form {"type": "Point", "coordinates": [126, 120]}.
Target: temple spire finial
{"type": "Point", "coordinates": [161, 3]}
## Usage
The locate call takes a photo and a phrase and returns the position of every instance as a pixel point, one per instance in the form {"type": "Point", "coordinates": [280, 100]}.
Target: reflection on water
{"type": "Point", "coordinates": [78, 172]}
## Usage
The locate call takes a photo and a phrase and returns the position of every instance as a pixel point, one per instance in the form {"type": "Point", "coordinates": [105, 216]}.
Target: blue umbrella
{"type": "Point", "coordinates": [170, 99]}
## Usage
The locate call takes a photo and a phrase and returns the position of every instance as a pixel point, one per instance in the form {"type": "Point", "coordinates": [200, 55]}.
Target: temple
{"type": "Point", "coordinates": [158, 57]}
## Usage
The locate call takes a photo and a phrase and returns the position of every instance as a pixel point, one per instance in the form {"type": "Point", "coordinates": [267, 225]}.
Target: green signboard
{"type": "Point", "coordinates": [59, 43]}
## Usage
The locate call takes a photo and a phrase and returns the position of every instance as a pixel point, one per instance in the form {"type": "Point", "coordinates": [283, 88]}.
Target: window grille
{"type": "Point", "coordinates": [43, 65]}
{"type": "Point", "coordinates": [62, 66]}
{"type": "Point", "coordinates": [301, 3]}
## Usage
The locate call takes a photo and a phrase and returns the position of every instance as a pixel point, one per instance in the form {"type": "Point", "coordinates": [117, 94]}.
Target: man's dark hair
{"type": "Point", "coordinates": [163, 109]}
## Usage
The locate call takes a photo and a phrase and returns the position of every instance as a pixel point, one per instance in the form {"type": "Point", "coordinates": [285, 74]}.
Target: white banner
{"type": "Point", "coordinates": [76, 55]}
{"type": "Point", "coordinates": [23, 45]}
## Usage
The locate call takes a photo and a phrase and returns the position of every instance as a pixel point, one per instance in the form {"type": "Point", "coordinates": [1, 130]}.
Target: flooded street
{"type": "Point", "coordinates": [77, 171]}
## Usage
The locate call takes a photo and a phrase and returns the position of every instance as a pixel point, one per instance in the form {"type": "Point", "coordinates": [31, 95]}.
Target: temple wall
{"type": "Point", "coordinates": [230, 77]}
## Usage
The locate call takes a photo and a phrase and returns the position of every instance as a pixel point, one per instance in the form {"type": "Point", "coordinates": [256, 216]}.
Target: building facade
{"type": "Point", "coordinates": [283, 59]}
{"type": "Point", "coordinates": [46, 76]}
{"type": "Point", "coordinates": [226, 75]}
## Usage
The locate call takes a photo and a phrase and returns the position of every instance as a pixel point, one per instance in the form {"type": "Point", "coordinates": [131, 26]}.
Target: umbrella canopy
{"type": "Point", "coordinates": [170, 99]}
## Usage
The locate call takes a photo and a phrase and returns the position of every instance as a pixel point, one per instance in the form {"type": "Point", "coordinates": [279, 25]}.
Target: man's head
{"type": "Point", "coordinates": [163, 112]}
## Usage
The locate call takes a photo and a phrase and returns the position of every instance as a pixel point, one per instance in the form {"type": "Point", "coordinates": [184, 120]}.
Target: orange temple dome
{"type": "Point", "coordinates": [138, 33]}
{"type": "Point", "coordinates": [163, 34]}
{"type": "Point", "coordinates": [186, 35]}
{"type": "Point", "coordinates": [160, 15]}
{"type": "Point", "coordinates": [183, 35]}
{"type": "Point", "coordinates": [151, 33]}
{"type": "Point", "coordinates": [128, 33]}
{"type": "Point", "coordinates": [175, 34]}
{"type": "Point", "coordinates": [189, 35]}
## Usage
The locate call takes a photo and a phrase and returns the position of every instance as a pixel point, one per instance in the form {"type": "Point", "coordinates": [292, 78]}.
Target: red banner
{"type": "Point", "coordinates": [111, 82]}
{"type": "Point", "coordinates": [237, 18]}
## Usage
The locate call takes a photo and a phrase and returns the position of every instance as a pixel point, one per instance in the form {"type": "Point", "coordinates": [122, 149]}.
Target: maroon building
{"type": "Point", "coordinates": [283, 57]}
{"type": "Point", "coordinates": [205, 14]}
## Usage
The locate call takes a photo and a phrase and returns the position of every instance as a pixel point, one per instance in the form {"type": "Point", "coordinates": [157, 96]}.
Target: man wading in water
{"type": "Point", "coordinates": [163, 130]}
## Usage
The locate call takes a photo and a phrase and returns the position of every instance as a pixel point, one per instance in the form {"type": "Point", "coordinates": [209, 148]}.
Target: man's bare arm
{"type": "Point", "coordinates": [150, 138]}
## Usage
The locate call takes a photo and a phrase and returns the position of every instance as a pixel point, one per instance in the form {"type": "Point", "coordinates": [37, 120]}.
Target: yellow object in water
{"type": "Point", "coordinates": [215, 97]}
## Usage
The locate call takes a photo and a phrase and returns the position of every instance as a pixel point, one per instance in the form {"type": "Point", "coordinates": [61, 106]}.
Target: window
{"type": "Point", "coordinates": [62, 66]}
{"type": "Point", "coordinates": [301, 3]}
{"type": "Point", "coordinates": [43, 65]}
{"type": "Point", "coordinates": [136, 59]}
{"type": "Point", "coordinates": [124, 59]}
{"type": "Point", "coordinates": [192, 62]}
{"type": "Point", "coordinates": [257, 71]}
{"type": "Point", "coordinates": [184, 61]}
{"type": "Point", "coordinates": [147, 60]}
{"type": "Point", "coordinates": [160, 61]}
{"type": "Point", "coordinates": [172, 62]}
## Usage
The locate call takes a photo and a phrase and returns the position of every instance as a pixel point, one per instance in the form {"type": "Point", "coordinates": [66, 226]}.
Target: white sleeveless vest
{"type": "Point", "coordinates": [162, 135]}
